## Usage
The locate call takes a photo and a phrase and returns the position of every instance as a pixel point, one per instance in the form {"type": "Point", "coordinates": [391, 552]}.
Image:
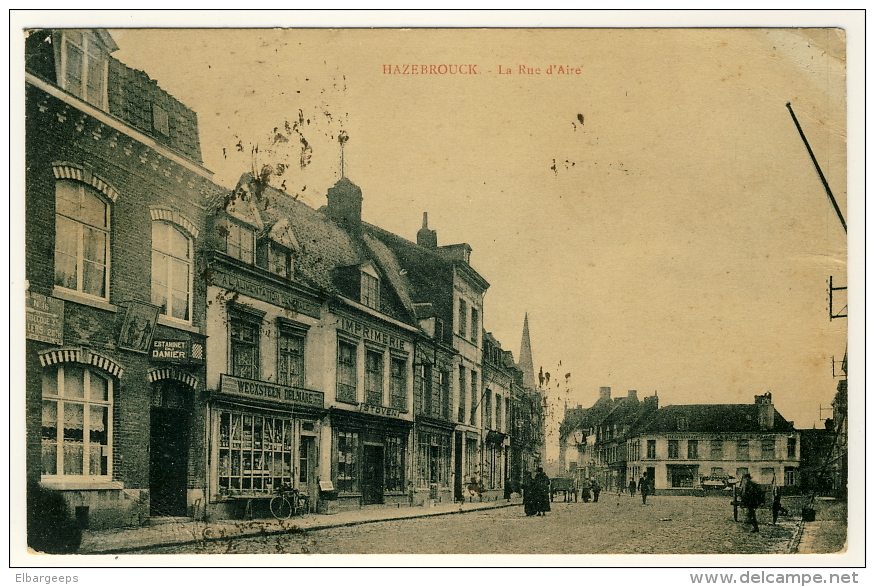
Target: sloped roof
{"type": "Point", "coordinates": [712, 418]}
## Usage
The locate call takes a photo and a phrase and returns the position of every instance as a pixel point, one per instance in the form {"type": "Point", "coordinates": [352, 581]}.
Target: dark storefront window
{"type": "Point", "coordinates": [433, 459]}
{"type": "Point", "coordinates": [347, 461]}
{"type": "Point", "coordinates": [398, 384]}
{"type": "Point", "coordinates": [346, 372]}
{"type": "Point", "coordinates": [255, 453]}
{"type": "Point", "coordinates": [394, 463]}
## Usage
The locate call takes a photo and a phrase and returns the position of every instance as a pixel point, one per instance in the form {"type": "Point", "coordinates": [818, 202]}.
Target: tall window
{"type": "Point", "coordinates": [374, 378]}
{"type": "Point", "coordinates": [487, 409]}
{"type": "Point", "coordinates": [347, 462]}
{"type": "Point", "coordinates": [743, 450]}
{"type": "Point", "coordinates": [475, 399]}
{"type": "Point", "coordinates": [463, 383]}
{"type": "Point", "coordinates": [651, 449]}
{"type": "Point", "coordinates": [768, 448]}
{"type": "Point", "coordinates": [475, 324]}
{"type": "Point", "coordinates": [499, 414]}
{"type": "Point", "coordinates": [790, 476]}
{"type": "Point", "coordinates": [347, 377]}
{"type": "Point", "coordinates": [370, 291]}
{"type": "Point", "coordinates": [244, 354]}
{"type": "Point", "coordinates": [239, 241]}
{"type": "Point", "coordinates": [394, 475]}
{"type": "Point", "coordinates": [83, 67]}
{"type": "Point", "coordinates": [717, 450]}
{"type": "Point", "coordinates": [463, 318]}
{"type": "Point", "coordinates": [427, 400]}
{"type": "Point", "coordinates": [290, 358]}
{"type": "Point", "coordinates": [673, 449]}
{"type": "Point", "coordinates": [171, 270]}
{"type": "Point", "coordinates": [81, 239]}
{"type": "Point", "coordinates": [76, 422]}
{"type": "Point", "coordinates": [446, 403]}
{"type": "Point", "coordinates": [398, 384]}
{"type": "Point", "coordinates": [791, 447]}
{"type": "Point", "coordinates": [692, 449]}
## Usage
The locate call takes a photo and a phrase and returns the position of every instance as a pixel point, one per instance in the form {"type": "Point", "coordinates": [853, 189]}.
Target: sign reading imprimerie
{"type": "Point", "coordinates": [272, 391]}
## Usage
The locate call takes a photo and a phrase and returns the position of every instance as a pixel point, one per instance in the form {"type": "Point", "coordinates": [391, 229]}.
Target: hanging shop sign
{"type": "Point", "coordinates": [44, 319]}
{"type": "Point", "coordinates": [177, 351]}
{"type": "Point", "coordinates": [264, 390]}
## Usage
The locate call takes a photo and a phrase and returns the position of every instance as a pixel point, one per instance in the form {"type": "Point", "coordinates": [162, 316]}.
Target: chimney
{"type": "Point", "coordinates": [632, 395]}
{"type": "Point", "coordinates": [766, 410]}
{"type": "Point", "coordinates": [345, 205]}
{"type": "Point", "coordinates": [425, 237]}
{"type": "Point", "coordinates": [604, 393]}
{"type": "Point", "coordinates": [652, 402]}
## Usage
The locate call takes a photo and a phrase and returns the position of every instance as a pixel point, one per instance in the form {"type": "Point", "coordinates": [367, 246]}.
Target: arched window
{"type": "Point", "coordinates": [171, 270]}
{"type": "Point", "coordinates": [81, 239]}
{"type": "Point", "coordinates": [76, 422]}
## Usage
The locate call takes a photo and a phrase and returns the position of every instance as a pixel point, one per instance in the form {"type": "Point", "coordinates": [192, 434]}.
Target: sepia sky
{"type": "Point", "coordinates": [656, 214]}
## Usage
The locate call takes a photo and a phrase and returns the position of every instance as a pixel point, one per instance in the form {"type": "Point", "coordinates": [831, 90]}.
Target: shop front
{"type": "Point", "coordinates": [370, 455]}
{"type": "Point", "coordinates": [434, 447]}
{"type": "Point", "coordinates": [262, 436]}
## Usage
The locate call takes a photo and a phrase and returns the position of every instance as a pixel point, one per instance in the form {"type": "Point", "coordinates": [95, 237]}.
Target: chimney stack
{"type": "Point", "coordinates": [604, 393]}
{"type": "Point", "coordinates": [766, 410]}
{"type": "Point", "coordinates": [633, 395]}
{"type": "Point", "coordinates": [425, 237]}
{"type": "Point", "coordinates": [345, 205]}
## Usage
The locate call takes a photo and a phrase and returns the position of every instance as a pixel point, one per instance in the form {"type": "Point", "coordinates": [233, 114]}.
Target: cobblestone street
{"type": "Point", "coordinates": [615, 525]}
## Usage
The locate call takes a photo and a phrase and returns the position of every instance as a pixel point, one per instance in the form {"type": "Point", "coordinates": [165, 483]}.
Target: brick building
{"type": "Point", "coordinates": [114, 201]}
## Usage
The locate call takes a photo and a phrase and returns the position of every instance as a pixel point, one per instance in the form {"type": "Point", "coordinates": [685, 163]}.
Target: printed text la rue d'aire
{"type": "Point", "coordinates": [476, 69]}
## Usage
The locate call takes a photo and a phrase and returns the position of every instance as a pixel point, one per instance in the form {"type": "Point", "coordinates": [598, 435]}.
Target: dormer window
{"type": "Point", "coordinates": [83, 66]}
{"type": "Point", "coordinates": [370, 291]}
{"type": "Point", "coordinates": [275, 258]}
{"type": "Point", "coordinates": [683, 424]}
{"type": "Point", "coordinates": [239, 241]}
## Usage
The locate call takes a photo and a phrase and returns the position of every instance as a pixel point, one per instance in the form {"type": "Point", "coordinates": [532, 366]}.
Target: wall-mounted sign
{"type": "Point", "coordinates": [177, 351]}
{"type": "Point", "coordinates": [379, 410]}
{"type": "Point", "coordinates": [265, 293]}
{"type": "Point", "coordinates": [370, 333]}
{"type": "Point", "coordinates": [137, 327]}
{"type": "Point", "coordinates": [44, 318]}
{"type": "Point", "coordinates": [270, 391]}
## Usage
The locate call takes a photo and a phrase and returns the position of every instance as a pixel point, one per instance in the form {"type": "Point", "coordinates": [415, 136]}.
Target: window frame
{"type": "Point", "coordinates": [375, 376]}
{"type": "Point", "coordinates": [285, 357]}
{"type": "Point", "coordinates": [767, 449]}
{"type": "Point", "coordinates": [84, 190]}
{"type": "Point", "coordinates": [234, 230]}
{"type": "Point", "coordinates": [61, 400]}
{"type": "Point", "coordinates": [102, 60]}
{"type": "Point", "coordinates": [651, 444]}
{"type": "Point", "coordinates": [398, 383]}
{"type": "Point", "coordinates": [245, 321]}
{"type": "Point", "coordinates": [188, 262]}
{"type": "Point", "coordinates": [463, 318]}
{"type": "Point", "coordinates": [369, 293]}
{"type": "Point", "coordinates": [346, 391]}
{"type": "Point", "coordinates": [692, 449]}
{"type": "Point", "coordinates": [674, 449]}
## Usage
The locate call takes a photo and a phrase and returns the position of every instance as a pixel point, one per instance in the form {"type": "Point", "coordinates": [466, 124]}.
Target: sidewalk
{"type": "Point", "coordinates": [828, 532]}
{"type": "Point", "coordinates": [178, 531]}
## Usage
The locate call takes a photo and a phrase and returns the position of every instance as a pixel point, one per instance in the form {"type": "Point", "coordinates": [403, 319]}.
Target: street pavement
{"type": "Point", "coordinates": [615, 525]}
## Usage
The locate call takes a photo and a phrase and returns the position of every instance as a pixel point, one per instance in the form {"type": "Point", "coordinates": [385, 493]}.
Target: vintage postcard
{"type": "Point", "coordinates": [300, 290]}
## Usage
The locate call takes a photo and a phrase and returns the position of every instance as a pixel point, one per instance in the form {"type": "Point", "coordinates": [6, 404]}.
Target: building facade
{"type": "Point", "coordinates": [115, 351]}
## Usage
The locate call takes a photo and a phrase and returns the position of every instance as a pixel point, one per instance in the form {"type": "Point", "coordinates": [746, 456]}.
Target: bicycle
{"type": "Point", "coordinates": [287, 502]}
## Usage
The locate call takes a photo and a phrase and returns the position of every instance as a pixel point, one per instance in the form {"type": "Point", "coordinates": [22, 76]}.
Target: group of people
{"type": "Point", "coordinates": [536, 493]}
{"type": "Point", "coordinates": [590, 488]}
{"type": "Point", "coordinates": [644, 486]}
{"type": "Point", "coordinates": [752, 497]}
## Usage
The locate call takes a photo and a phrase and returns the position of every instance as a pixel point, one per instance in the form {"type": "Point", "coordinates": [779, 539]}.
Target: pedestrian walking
{"type": "Point", "coordinates": [644, 488]}
{"type": "Point", "coordinates": [529, 490]}
{"type": "Point", "coordinates": [632, 487]}
{"type": "Point", "coordinates": [751, 498]}
{"type": "Point", "coordinates": [542, 492]}
{"type": "Point", "coordinates": [585, 490]}
{"type": "Point", "coordinates": [596, 489]}
{"type": "Point", "coordinates": [777, 508]}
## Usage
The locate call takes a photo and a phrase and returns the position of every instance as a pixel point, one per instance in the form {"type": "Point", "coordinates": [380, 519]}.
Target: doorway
{"type": "Point", "coordinates": [372, 481]}
{"type": "Point", "coordinates": [307, 468]}
{"type": "Point", "coordinates": [168, 449]}
{"type": "Point", "coordinates": [457, 469]}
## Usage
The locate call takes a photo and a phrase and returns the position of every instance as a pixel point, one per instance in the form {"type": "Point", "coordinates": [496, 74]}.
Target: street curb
{"type": "Point", "coordinates": [793, 547]}
{"type": "Point", "coordinates": [290, 530]}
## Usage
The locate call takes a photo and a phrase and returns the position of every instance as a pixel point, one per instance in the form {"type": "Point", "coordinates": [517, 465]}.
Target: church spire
{"type": "Point", "coordinates": [526, 364]}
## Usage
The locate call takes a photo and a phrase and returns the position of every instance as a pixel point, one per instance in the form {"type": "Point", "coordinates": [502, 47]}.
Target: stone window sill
{"type": "Point", "coordinates": [73, 484]}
